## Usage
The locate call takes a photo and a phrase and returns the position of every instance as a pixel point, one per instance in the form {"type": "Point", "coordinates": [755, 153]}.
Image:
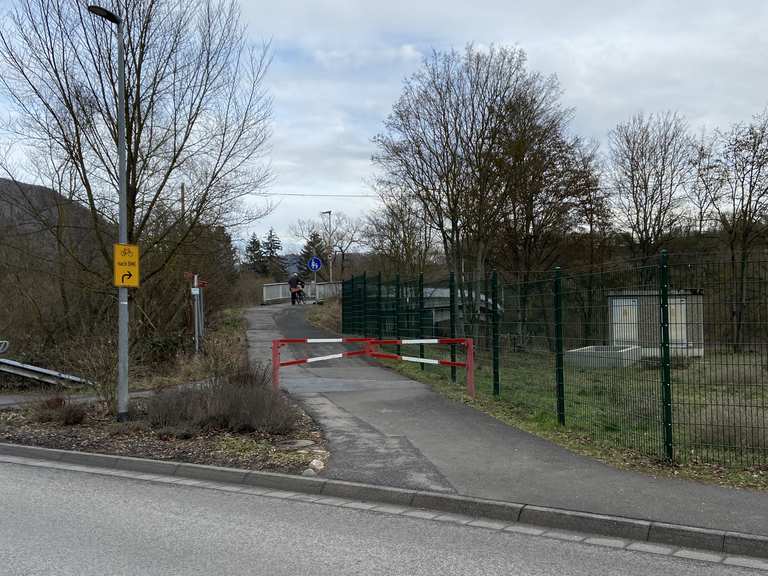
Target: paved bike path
{"type": "Point", "coordinates": [452, 447]}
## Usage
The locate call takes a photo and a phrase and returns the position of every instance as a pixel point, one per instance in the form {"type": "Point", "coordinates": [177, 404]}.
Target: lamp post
{"type": "Point", "coordinates": [330, 248]}
{"type": "Point", "coordinates": [122, 346]}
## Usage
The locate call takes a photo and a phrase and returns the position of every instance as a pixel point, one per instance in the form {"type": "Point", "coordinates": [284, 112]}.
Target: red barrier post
{"type": "Point", "coordinates": [276, 365]}
{"type": "Point", "coordinates": [470, 368]}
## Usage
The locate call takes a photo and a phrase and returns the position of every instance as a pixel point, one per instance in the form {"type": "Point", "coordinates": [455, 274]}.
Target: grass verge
{"type": "Point", "coordinates": [528, 404]}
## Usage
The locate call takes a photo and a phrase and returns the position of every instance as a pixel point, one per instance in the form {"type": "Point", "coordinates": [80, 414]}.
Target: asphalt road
{"type": "Point", "coordinates": [62, 522]}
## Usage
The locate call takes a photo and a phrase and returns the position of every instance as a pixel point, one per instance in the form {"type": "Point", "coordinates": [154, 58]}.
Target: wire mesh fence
{"type": "Point", "coordinates": [668, 358]}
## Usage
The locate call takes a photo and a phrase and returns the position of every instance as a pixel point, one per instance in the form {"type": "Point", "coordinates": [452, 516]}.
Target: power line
{"type": "Point", "coordinates": [319, 195]}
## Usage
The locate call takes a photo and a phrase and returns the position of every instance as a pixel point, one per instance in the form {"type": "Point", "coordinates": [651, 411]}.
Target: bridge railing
{"type": "Point", "coordinates": [279, 292]}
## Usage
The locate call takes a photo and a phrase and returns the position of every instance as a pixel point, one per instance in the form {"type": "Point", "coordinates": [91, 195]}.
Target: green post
{"type": "Point", "coordinates": [559, 372]}
{"type": "Point", "coordinates": [666, 373]}
{"type": "Point", "coordinates": [364, 312]}
{"type": "Point", "coordinates": [487, 328]}
{"type": "Point", "coordinates": [379, 310]}
{"type": "Point", "coordinates": [452, 290]}
{"type": "Point", "coordinates": [421, 317]}
{"type": "Point", "coordinates": [352, 307]}
{"type": "Point", "coordinates": [397, 310]}
{"type": "Point", "coordinates": [496, 348]}
{"type": "Point", "coordinates": [344, 307]}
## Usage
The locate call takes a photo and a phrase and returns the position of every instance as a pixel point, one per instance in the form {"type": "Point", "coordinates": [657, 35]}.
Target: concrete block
{"type": "Point", "coordinates": [147, 466]}
{"type": "Point", "coordinates": [650, 548]}
{"type": "Point", "coordinates": [746, 562]}
{"type": "Point", "coordinates": [687, 536]}
{"type": "Point", "coordinates": [211, 473]}
{"type": "Point", "coordinates": [30, 452]}
{"type": "Point", "coordinates": [698, 555]}
{"type": "Point", "coordinates": [609, 542]}
{"type": "Point", "coordinates": [489, 524]}
{"type": "Point", "coordinates": [284, 482]}
{"type": "Point", "coordinates": [746, 544]}
{"type": "Point", "coordinates": [86, 459]}
{"type": "Point", "coordinates": [355, 491]}
{"type": "Point", "coordinates": [614, 526]}
{"type": "Point", "coordinates": [475, 507]}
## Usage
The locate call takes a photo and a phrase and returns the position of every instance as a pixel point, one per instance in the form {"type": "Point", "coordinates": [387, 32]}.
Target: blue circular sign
{"type": "Point", "coordinates": [314, 264]}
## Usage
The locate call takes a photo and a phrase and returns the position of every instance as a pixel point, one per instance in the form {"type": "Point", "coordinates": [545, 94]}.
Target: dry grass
{"type": "Point", "coordinates": [240, 403]}
{"type": "Point", "coordinates": [59, 409]}
{"type": "Point", "coordinates": [326, 315]}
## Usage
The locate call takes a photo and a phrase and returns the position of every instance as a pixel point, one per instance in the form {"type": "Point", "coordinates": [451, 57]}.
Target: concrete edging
{"type": "Point", "coordinates": [722, 541]}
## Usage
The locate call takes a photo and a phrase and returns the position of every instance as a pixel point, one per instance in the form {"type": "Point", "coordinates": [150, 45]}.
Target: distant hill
{"type": "Point", "coordinates": [31, 216]}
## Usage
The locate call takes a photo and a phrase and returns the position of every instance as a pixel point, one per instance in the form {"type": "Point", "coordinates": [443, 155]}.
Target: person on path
{"type": "Point", "coordinates": [295, 285]}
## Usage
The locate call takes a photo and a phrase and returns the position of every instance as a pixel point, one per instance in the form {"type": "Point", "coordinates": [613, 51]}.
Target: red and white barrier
{"type": "Point", "coordinates": [371, 351]}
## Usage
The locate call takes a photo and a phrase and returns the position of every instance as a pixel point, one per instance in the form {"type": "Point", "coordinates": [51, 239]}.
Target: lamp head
{"type": "Point", "coordinates": [104, 13]}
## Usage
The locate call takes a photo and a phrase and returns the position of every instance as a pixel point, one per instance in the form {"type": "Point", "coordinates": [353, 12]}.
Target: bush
{"type": "Point", "coordinates": [73, 414]}
{"type": "Point", "coordinates": [59, 409]}
{"type": "Point", "coordinates": [243, 402]}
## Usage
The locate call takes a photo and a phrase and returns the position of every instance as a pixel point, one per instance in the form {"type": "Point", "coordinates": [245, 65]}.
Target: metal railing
{"type": "Point", "coordinates": [279, 292]}
{"type": "Point", "coordinates": [668, 358]}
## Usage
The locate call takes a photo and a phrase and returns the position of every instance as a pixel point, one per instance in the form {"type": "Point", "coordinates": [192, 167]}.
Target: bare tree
{"type": "Point", "coordinates": [196, 112]}
{"type": "Point", "coordinates": [399, 235]}
{"type": "Point", "coordinates": [343, 235]}
{"type": "Point", "coordinates": [439, 142]}
{"type": "Point", "coordinates": [742, 206]}
{"type": "Point", "coordinates": [197, 127]}
{"type": "Point", "coordinates": [650, 166]}
{"type": "Point", "coordinates": [705, 188]}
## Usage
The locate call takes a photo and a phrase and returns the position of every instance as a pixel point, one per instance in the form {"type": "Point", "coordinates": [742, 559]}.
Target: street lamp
{"type": "Point", "coordinates": [330, 248]}
{"type": "Point", "coordinates": [122, 346]}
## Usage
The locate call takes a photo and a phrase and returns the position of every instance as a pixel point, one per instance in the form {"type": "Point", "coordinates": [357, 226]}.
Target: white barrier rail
{"type": "Point", "coordinates": [272, 293]}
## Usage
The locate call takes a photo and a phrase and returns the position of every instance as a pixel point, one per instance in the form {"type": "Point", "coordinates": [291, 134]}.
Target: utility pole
{"type": "Point", "coordinates": [330, 247]}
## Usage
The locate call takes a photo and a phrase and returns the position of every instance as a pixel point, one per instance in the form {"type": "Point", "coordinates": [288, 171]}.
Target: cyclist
{"type": "Point", "coordinates": [296, 286]}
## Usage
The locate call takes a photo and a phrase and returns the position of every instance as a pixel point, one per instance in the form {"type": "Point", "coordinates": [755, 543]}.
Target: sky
{"type": "Point", "coordinates": [339, 66]}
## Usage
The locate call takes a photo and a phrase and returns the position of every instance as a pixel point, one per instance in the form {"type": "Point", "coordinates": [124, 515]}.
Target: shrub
{"type": "Point", "coordinates": [59, 409]}
{"type": "Point", "coordinates": [73, 413]}
{"type": "Point", "coordinates": [243, 402]}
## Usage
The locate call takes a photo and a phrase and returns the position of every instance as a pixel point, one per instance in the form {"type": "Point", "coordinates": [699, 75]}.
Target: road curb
{"type": "Point", "coordinates": [617, 526]}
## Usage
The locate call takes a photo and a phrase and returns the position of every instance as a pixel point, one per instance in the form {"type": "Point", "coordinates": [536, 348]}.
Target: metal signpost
{"type": "Point", "coordinates": [314, 265]}
{"type": "Point", "coordinates": [122, 175]}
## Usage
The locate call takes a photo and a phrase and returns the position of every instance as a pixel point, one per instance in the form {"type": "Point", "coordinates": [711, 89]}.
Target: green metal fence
{"type": "Point", "coordinates": [668, 358]}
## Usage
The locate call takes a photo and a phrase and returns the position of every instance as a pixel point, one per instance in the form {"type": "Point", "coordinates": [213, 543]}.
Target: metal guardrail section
{"type": "Point", "coordinates": [280, 292]}
{"type": "Point", "coordinates": [39, 374]}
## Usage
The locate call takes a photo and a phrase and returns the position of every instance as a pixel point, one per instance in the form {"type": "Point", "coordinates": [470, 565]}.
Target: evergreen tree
{"type": "Point", "coordinates": [272, 248]}
{"type": "Point", "coordinates": [315, 246]}
{"type": "Point", "coordinates": [255, 259]}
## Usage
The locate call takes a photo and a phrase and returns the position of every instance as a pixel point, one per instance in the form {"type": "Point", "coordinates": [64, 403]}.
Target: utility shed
{"type": "Point", "coordinates": [635, 320]}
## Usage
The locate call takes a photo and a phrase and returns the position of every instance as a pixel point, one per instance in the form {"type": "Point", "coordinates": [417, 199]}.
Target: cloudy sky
{"type": "Point", "coordinates": [339, 65]}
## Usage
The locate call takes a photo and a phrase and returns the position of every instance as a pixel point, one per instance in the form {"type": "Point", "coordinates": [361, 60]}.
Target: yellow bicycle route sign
{"type": "Point", "coordinates": [126, 272]}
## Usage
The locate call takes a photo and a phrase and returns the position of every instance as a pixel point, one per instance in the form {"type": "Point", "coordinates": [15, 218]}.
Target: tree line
{"type": "Point", "coordinates": [478, 167]}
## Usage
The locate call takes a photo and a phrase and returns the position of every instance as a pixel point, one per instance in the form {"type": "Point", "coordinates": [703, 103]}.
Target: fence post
{"type": "Point", "coordinates": [343, 307]}
{"type": "Point", "coordinates": [397, 311]}
{"type": "Point", "coordinates": [452, 290]}
{"type": "Point", "coordinates": [495, 348]}
{"type": "Point", "coordinates": [666, 375]}
{"type": "Point", "coordinates": [559, 372]}
{"type": "Point", "coordinates": [364, 333]}
{"type": "Point", "coordinates": [275, 366]}
{"type": "Point", "coordinates": [379, 310]}
{"type": "Point", "coordinates": [421, 318]}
